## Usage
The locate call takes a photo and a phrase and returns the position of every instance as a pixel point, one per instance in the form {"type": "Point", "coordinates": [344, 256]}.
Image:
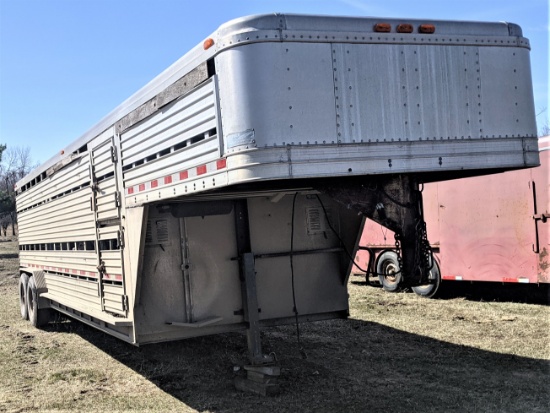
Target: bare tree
{"type": "Point", "coordinates": [15, 163]}
{"type": "Point", "coordinates": [545, 128]}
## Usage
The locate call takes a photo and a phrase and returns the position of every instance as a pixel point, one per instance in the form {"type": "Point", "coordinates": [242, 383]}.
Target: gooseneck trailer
{"type": "Point", "coordinates": [230, 192]}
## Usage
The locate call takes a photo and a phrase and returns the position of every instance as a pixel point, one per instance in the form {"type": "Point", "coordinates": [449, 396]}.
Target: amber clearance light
{"type": "Point", "coordinates": [382, 27]}
{"type": "Point", "coordinates": [208, 43]}
{"type": "Point", "coordinates": [426, 28]}
{"type": "Point", "coordinates": [405, 28]}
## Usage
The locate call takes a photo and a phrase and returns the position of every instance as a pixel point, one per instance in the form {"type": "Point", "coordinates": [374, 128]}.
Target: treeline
{"type": "Point", "coordinates": [15, 163]}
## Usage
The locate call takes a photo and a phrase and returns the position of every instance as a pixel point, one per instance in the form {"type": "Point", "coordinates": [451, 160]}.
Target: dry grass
{"type": "Point", "coordinates": [397, 352]}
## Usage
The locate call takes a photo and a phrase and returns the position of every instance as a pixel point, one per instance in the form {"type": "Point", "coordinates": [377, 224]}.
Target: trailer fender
{"type": "Point", "coordinates": [39, 283]}
{"type": "Point", "coordinates": [37, 316]}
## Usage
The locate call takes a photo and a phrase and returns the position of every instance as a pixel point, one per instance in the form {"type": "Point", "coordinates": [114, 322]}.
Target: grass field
{"type": "Point", "coordinates": [467, 352]}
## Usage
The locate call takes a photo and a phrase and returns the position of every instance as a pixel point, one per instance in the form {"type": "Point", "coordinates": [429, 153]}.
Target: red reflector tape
{"type": "Point", "coordinates": [201, 170]}
{"type": "Point", "coordinates": [452, 277]}
{"type": "Point", "coordinates": [179, 176]}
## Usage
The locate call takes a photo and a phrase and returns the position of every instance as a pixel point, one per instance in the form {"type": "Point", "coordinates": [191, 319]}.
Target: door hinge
{"type": "Point", "coordinates": [121, 239]}
{"type": "Point", "coordinates": [125, 306]}
{"type": "Point", "coordinates": [536, 218]}
{"type": "Point", "coordinates": [541, 217]}
{"type": "Point", "coordinates": [101, 268]}
{"type": "Point", "coordinates": [113, 154]}
{"type": "Point", "coordinates": [117, 199]}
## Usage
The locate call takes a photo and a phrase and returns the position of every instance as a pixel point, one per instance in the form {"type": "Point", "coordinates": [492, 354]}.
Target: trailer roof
{"type": "Point", "coordinates": [240, 30]}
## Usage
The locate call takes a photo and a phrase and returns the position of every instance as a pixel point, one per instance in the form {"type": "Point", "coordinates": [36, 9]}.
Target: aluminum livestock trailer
{"type": "Point", "coordinates": [485, 228]}
{"type": "Point", "coordinates": [230, 192]}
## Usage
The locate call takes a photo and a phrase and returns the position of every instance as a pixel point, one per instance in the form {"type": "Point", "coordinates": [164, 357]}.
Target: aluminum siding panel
{"type": "Point", "coordinates": [184, 119]}
{"type": "Point", "coordinates": [50, 222]}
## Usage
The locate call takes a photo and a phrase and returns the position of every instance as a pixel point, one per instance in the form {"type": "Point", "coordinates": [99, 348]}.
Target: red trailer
{"type": "Point", "coordinates": [487, 228]}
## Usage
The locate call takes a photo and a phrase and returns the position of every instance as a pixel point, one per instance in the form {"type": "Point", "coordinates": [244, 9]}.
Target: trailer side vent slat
{"type": "Point", "coordinates": [160, 234]}
{"type": "Point", "coordinates": [168, 151]}
{"type": "Point", "coordinates": [162, 230]}
{"type": "Point", "coordinates": [148, 233]}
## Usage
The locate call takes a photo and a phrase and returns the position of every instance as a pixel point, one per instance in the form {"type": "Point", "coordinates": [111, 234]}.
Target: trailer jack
{"type": "Point", "coordinates": [262, 373]}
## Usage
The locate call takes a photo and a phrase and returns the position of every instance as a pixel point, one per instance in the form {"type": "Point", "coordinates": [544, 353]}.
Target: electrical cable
{"type": "Point", "coordinates": [345, 248]}
{"type": "Point", "coordinates": [295, 309]}
{"type": "Point", "coordinates": [375, 273]}
{"type": "Point", "coordinates": [342, 242]}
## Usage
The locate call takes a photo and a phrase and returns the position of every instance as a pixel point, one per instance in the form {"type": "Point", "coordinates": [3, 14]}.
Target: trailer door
{"type": "Point", "coordinates": [106, 203]}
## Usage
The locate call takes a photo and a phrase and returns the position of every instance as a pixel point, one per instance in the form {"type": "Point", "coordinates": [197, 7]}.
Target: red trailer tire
{"type": "Point", "coordinates": [388, 270]}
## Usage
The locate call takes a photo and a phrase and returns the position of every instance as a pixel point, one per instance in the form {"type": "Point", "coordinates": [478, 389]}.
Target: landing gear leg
{"type": "Point", "coordinates": [262, 373]}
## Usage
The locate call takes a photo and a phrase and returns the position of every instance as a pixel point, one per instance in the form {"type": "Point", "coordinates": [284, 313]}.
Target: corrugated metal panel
{"type": "Point", "coordinates": [283, 92]}
{"type": "Point", "coordinates": [76, 206]}
{"type": "Point", "coordinates": [180, 160]}
{"type": "Point", "coordinates": [73, 205]}
{"type": "Point", "coordinates": [68, 178]}
{"type": "Point", "coordinates": [106, 200]}
{"type": "Point", "coordinates": [103, 160]}
{"type": "Point", "coordinates": [110, 232]}
{"type": "Point", "coordinates": [506, 80]}
{"type": "Point", "coordinates": [113, 298]}
{"type": "Point", "coordinates": [64, 219]}
{"type": "Point", "coordinates": [408, 92]}
{"type": "Point", "coordinates": [83, 293]}
{"type": "Point", "coordinates": [112, 261]}
{"type": "Point", "coordinates": [184, 119]}
{"type": "Point", "coordinates": [76, 233]}
{"type": "Point", "coordinates": [73, 260]}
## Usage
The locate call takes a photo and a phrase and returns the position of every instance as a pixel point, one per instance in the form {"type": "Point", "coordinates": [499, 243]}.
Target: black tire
{"type": "Point", "coordinates": [37, 317]}
{"type": "Point", "coordinates": [431, 289]}
{"type": "Point", "coordinates": [388, 270]}
{"type": "Point", "coordinates": [23, 283]}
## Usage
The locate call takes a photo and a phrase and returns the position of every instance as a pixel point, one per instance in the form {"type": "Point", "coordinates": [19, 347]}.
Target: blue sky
{"type": "Point", "coordinates": [65, 64]}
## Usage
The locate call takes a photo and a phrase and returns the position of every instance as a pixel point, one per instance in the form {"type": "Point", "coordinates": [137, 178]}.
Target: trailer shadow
{"type": "Point", "coordinates": [351, 366]}
{"type": "Point", "coordinates": [492, 291]}
{"type": "Point", "coordinates": [487, 291]}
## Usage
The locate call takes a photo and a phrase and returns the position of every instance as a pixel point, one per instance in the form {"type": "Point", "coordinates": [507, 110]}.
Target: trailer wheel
{"type": "Point", "coordinates": [23, 283]}
{"type": "Point", "coordinates": [388, 270]}
{"type": "Point", "coordinates": [430, 290]}
{"type": "Point", "coordinates": [37, 317]}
